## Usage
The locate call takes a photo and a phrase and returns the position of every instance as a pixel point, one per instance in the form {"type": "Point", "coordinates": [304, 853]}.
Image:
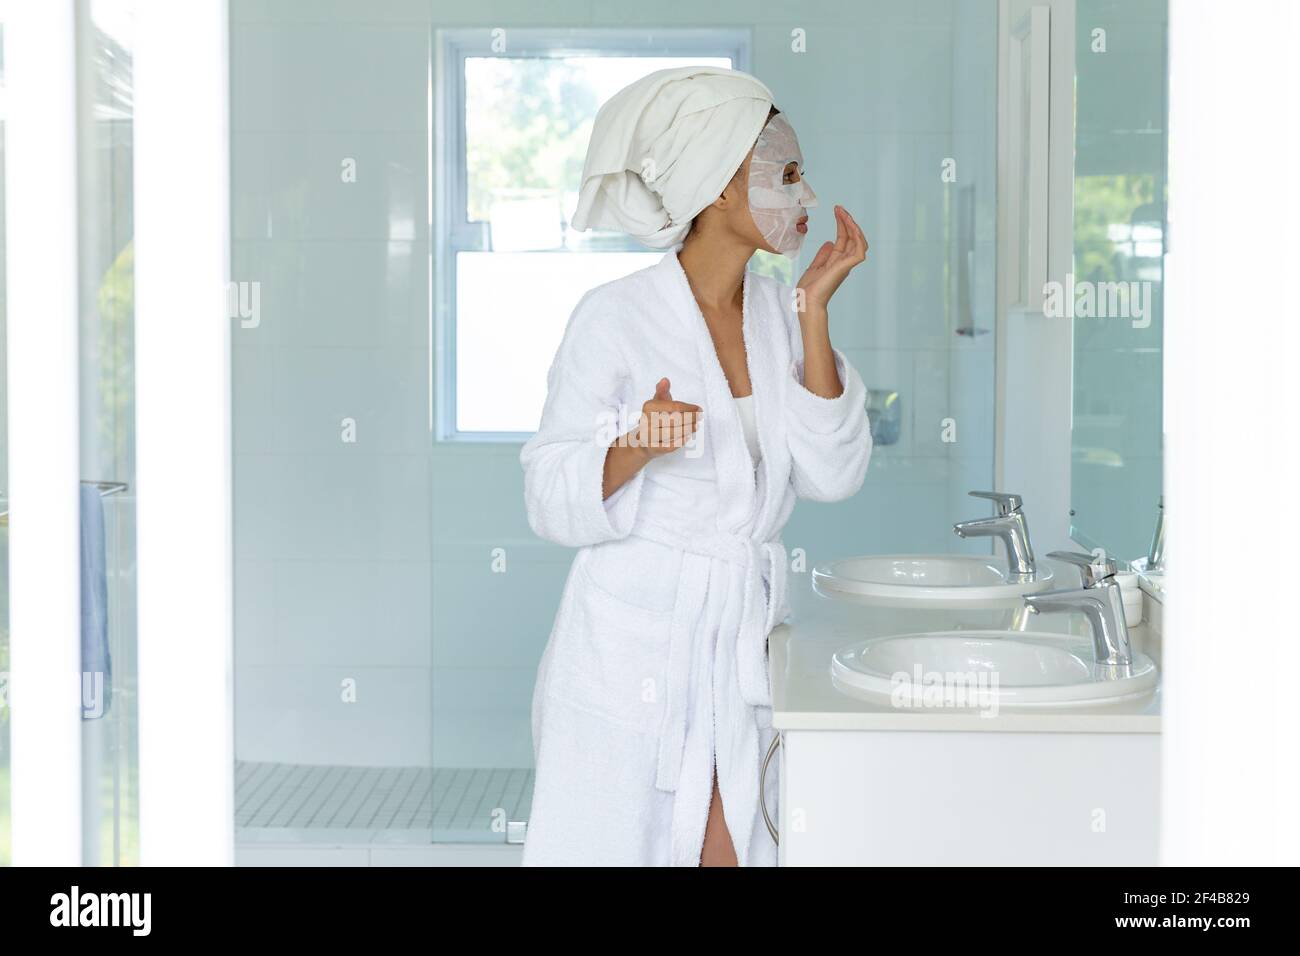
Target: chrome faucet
{"type": "Point", "coordinates": [1009, 525]}
{"type": "Point", "coordinates": [1099, 600]}
{"type": "Point", "coordinates": [1156, 554]}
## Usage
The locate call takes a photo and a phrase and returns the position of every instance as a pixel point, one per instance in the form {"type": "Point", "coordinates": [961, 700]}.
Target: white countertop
{"type": "Point", "coordinates": [803, 697]}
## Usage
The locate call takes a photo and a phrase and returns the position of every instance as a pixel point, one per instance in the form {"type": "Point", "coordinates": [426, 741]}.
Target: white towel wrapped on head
{"type": "Point", "coordinates": [665, 147]}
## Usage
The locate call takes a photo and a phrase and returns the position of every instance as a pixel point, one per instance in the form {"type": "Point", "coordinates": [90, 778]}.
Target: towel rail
{"type": "Point", "coordinates": [106, 488]}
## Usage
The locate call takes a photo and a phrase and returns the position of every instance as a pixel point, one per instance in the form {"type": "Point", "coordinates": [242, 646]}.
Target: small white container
{"type": "Point", "coordinates": [1131, 592]}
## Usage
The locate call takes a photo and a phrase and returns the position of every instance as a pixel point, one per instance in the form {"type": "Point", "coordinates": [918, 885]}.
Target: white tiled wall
{"type": "Point", "coordinates": [370, 562]}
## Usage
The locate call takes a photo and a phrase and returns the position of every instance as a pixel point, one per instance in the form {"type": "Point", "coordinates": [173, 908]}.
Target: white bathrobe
{"type": "Point", "coordinates": [656, 667]}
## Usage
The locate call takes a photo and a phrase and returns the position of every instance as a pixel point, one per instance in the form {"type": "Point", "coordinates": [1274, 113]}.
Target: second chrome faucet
{"type": "Point", "coordinates": [1008, 524]}
{"type": "Point", "coordinates": [1099, 600]}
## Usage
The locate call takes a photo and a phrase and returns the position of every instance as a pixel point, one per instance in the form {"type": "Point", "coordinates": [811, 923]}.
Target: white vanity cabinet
{"type": "Point", "coordinates": [868, 784]}
{"type": "Point", "coordinates": [968, 797]}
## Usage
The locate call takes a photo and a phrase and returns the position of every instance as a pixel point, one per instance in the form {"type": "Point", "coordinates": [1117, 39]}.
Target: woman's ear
{"type": "Point", "coordinates": [735, 187]}
{"type": "Point", "coordinates": [724, 202]}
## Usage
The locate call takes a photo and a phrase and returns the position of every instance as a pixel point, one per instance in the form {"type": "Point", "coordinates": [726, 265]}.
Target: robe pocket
{"type": "Point", "coordinates": [611, 659]}
{"type": "Point", "coordinates": [636, 572]}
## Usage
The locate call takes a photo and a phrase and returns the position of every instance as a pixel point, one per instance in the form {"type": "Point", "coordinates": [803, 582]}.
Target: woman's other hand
{"type": "Point", "coordinates": [665, 426]}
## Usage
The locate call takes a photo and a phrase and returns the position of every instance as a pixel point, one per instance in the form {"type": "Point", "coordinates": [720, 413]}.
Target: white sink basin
{"type": "Point", "coordinates": [978, 670]}
{"type": "Point", "coordinates": [926, 580]}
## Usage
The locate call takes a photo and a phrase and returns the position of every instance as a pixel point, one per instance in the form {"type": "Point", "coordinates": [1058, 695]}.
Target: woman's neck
{"type": "Point", "coordinates": [715, 270]}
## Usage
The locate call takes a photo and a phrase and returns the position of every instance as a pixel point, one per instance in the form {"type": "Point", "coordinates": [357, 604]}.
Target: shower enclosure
{"type": "Point", "coordinates": [402, 267]}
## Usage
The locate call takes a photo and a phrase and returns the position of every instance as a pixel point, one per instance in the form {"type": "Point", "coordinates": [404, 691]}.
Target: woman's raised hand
{"type": "Point", "coordinates": [665, 425]}
{"type": "Point", "coordinates": [833, 262]}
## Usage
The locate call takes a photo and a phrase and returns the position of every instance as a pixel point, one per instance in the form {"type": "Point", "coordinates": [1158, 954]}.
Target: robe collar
{"type": "Point", "coordinates": [739, 483]}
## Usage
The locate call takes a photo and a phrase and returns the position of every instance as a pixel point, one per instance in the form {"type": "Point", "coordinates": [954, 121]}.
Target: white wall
{"type": "Point", "coordinates": [1231, 779]}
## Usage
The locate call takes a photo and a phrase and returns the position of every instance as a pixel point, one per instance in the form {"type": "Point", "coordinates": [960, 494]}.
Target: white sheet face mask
{"type": "Point", "coordinates": [777, 206]}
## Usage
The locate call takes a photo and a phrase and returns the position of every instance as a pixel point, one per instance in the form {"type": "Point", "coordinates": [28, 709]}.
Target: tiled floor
{"type": "Point", "coordinates": [299, 803]}
{"type": "Point", "coordinates": [432, 854]}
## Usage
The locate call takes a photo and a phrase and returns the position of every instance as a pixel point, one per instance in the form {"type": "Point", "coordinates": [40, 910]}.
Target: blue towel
{"type": "Point", "coordinates": [95, 658]}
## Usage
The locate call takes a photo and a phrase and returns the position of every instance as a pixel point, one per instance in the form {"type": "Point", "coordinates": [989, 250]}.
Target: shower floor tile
{"type": "Point", "coordinates": [279, 802]}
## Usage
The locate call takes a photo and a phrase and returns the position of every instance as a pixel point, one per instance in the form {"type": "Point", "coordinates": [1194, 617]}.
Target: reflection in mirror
{"type": "Point", "coordinates": [1115, 292]}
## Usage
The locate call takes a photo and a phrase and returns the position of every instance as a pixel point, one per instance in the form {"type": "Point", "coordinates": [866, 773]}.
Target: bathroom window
{"type": "Point", "coordinates": [513, 114]}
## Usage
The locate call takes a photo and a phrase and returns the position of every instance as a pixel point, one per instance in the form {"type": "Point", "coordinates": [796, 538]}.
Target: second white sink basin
{"type": "Point", "coordinates": [926, 580]}
{"type": "Point", "coordinates": [981, 669]}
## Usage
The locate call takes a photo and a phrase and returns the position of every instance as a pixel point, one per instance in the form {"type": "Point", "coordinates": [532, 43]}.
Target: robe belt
{"type": "Point", "coordinates": [748, 629]}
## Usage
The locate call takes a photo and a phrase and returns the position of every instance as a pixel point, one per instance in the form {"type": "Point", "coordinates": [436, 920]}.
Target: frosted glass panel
{"type": "Point", "coordinates": [511, 309]}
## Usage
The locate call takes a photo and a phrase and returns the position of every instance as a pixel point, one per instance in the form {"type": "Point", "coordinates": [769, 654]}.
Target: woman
{"type": "Point", "coordinates": [652, 709]}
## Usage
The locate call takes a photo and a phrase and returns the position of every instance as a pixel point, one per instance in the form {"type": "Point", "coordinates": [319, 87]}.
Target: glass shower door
{"type": "Point", "coordinates": [110, 808]}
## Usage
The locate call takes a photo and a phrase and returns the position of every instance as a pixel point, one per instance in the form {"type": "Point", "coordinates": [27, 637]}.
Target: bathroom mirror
{"type": "Point", "coordinates": [1114, 295]}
